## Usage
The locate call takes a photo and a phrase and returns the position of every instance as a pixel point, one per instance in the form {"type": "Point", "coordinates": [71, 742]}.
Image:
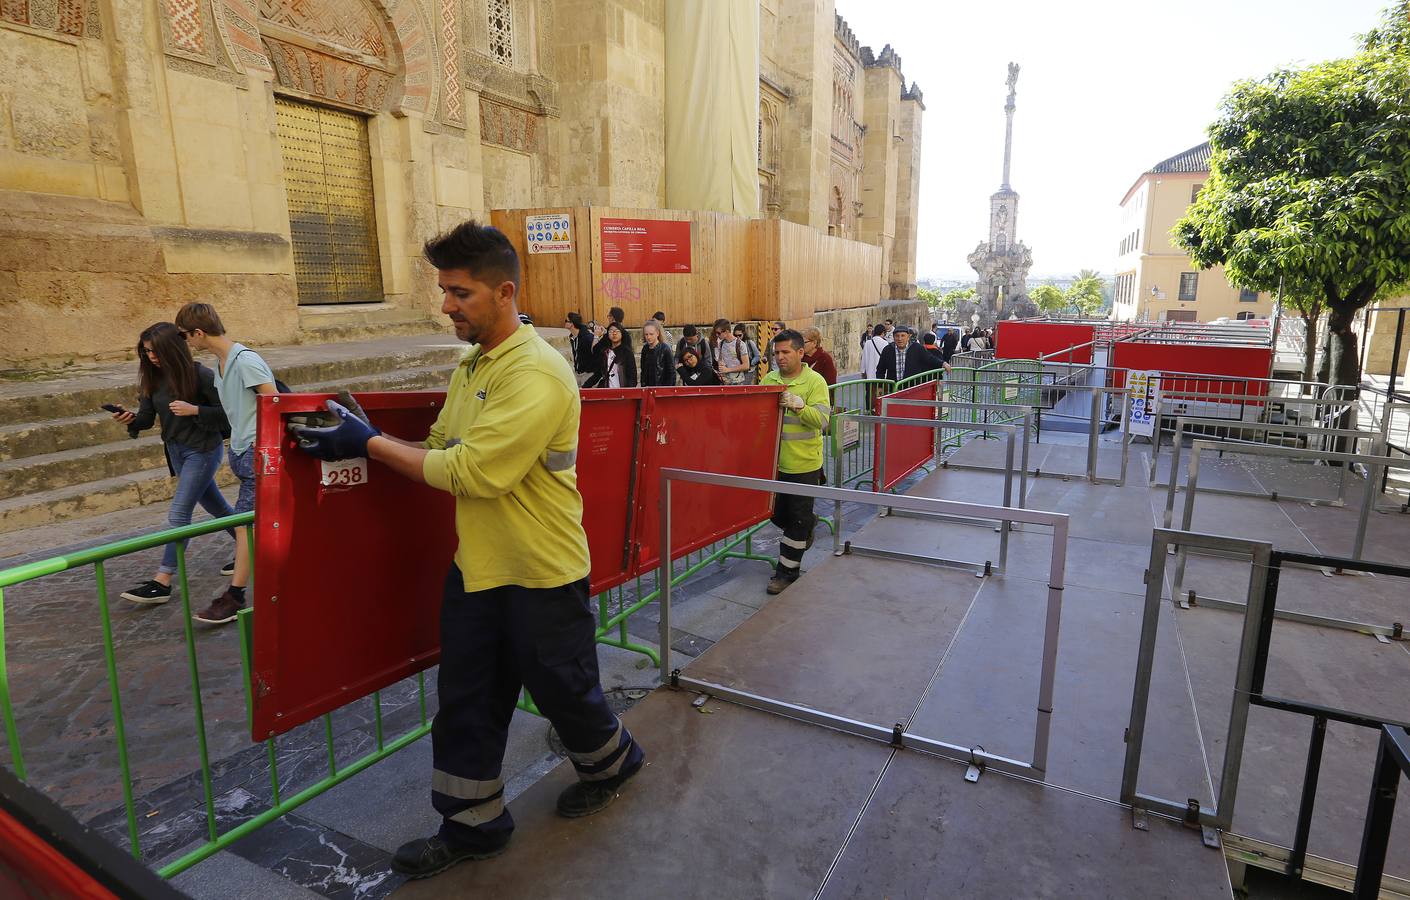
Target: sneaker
{"type": "Point", "coordinates": [228, 568]}
{"type": "Point", "coordinates": [425, 857]}
{"type": "Point", "coordinates": [149, 592]}
{"type": "Point", "coordinates": [778, 584]}
{"type": "Point", "coordinates": [583, 798]}
{"type": "Point", "coordinates": [223, 609]}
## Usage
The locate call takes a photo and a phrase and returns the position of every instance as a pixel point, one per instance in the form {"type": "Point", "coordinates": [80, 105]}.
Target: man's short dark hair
{"type": "Point", "coordinates": [792, 336]}
{"type": "Point", "coordinates": [616, 314]}
{"type": "Point", "coordinates": [879, 330]}
{"type": "Point", "coordinates": [890, 321]}
{"type": "Point", "coordinates": [576, 319]}
{"type": "Point", "coordinates": [689, 331]}
{"type": "Point", "coordinates": [659, 316]}
{"type": "Point", "coordinates": [481, 250]}
{"type": "Point", "coordinates": [928, 339]}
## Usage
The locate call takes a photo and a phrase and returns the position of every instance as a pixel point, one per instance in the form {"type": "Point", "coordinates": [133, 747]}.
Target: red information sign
{"type": "Point", "coordinates": [645, 245]}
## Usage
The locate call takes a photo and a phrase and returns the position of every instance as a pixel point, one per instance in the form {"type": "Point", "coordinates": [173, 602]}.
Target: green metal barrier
{"type": "Point", "coordinates": [615, 607]}
{"type": "Point", "coordinates": [853, 443]}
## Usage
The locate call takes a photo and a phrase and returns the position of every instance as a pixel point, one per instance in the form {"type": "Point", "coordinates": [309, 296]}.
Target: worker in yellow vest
{"type": "Point", "coordinates": [806, 407]}
{"type": "Point", "coordinates": [515, 609]}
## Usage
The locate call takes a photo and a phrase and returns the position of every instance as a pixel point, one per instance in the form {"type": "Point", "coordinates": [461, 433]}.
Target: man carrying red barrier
{"type": "Point", "coordinates": [806, 407]}
{"type": "Point", "coordinates": [515, 610]}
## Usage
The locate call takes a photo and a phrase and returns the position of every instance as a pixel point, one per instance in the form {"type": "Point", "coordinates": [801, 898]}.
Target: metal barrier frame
{"type": "Point", "coordinates": [895, 735]}
{"type": "Point", "coordinates": [839, 547]}
{"type": "Point", "coordinates": [1235, 446]}
{"type": "Point", "coordinates": [1190, 811]}
{"type": "Point", "coordinates": [1093, 431]}
{"type": "Point", "coordinates": [1256, 638]}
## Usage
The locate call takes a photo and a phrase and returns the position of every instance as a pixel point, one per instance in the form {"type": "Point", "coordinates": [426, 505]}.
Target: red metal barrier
{"type": "Point", "coordinates": [608, 448]}
{"type": "Point", "coordinates": [1233, 364]}
{"type": "Point", "coordinates": [907, 448]}
{"type": "Point", "coordinates": [729, 430]}
{"type": "Point", "coordinates": [1015, 339]}
{"type": "Point", "coordinates": [347, 598]}
{"type": "Point", "coordinates": [348, 580]}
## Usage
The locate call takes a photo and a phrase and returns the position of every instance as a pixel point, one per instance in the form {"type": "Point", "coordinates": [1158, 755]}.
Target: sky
{"type": "Point", "coordinates": [1107, 90]}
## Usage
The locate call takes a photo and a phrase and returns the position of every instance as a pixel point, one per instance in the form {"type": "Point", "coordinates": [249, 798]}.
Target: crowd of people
{"type": "Point", "coordinates": [893, 352]}
{"type": "Point", "coordinates": [603, 357]}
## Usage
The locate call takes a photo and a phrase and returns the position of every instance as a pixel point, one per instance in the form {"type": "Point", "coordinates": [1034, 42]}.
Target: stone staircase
{"type": "Point", "coordinates": [62, 458]}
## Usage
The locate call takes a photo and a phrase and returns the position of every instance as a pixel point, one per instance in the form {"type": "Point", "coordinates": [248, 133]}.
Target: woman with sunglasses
{"type": "Point", "coordinates": [180, 393]}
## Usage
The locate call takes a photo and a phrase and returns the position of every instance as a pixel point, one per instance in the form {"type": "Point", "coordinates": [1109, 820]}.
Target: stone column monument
{"type": "Point", "coordinates": [1002, 262]}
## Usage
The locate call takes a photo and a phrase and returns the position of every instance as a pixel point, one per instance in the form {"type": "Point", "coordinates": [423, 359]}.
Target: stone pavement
{"type": "Point", "coordinates": [340, 843]}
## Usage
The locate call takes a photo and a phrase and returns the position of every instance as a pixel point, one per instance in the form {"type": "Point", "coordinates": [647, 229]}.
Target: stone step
{"type": "Point", "coordinates": [92, 498]}
{"type": "Point", "coordinates": [300, 367]}
{"type": "Point", "coordinates": [30, 439]}
{"type": "Point", "coordinates": [54, 487]}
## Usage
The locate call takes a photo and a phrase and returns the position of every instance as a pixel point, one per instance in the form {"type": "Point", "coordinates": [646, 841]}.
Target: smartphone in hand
{"type": "Point", "coordinates": [113, 408]}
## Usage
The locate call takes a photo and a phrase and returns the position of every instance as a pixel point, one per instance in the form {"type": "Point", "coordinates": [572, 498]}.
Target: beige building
{"type": "Point", "coordinates": [1155, 280]}
{"type": "Point", "coordinates": [286, 159]}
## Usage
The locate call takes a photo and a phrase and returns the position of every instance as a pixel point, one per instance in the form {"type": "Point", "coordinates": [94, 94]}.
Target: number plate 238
{"type": "Point", "coordinates": [344, 473]}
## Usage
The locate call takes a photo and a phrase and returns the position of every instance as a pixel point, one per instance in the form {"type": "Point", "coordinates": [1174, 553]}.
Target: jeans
{"type": "Point", "coordinates": [195, 483]}
{"type": "Point", "coordinates": [243, 465]}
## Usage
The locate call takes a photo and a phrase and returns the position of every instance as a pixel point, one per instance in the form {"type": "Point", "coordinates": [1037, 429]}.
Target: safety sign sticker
{"type": "Point", "coordinates": [548, 234]}
{"type": "Point", "coordinates": [1145, 400]}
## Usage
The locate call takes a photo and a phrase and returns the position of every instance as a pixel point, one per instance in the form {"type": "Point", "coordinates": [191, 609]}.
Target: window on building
{"type": "Point", "coordinates": [1245, 315]}
{"type": "Point", "coordinates": [1189, 284]}
{"type": "Point", "coordinates": [502, 31]}
{"type": "Point", "coordinates": [1247, 296]}
{"type": "Point", "coordinates": [1194, 192]}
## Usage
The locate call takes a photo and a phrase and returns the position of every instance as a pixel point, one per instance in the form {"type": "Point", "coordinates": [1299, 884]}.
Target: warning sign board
{"type": "Point", "coordinates": [1145, 399]}
{"type": "Point", "coordinates": [548, 234]}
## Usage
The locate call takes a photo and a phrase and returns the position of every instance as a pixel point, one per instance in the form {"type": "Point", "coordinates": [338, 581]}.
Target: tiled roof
{"type": "Point", "coordinates": [1195, 159]}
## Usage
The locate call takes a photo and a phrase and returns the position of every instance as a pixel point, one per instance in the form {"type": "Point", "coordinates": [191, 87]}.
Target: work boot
{"type": "Point", "coordinates": [224, 608]}
{"type": "Point", "coordinates": [778, 583]}
{"type": "Point", "coordinates": [583, 798]}
{"type": "Point", "coordinates": [425, 857]}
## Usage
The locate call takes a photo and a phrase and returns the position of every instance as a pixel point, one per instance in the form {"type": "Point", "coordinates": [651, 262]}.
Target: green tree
{"type": "Point", "coordinates": [1048, 298]}
{"type": "Point", "coordinates": [953, 299]}
{"type": "Point", "coordinates": [1085, 295]}
{"type": "Point", "coordinates": [1310, 184]}
{"type": "Point", "coordinates": [930, 295]}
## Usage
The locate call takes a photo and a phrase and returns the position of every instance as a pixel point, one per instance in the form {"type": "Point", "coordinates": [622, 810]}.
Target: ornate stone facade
{"type": "Point", "coordinates": [1002, 262]}
{"type": "Point", "coordinates": [160, 121]}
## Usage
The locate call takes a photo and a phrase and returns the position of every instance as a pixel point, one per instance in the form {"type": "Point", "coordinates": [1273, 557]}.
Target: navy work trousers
{"type": "Point", "coordinates": [492, 643]}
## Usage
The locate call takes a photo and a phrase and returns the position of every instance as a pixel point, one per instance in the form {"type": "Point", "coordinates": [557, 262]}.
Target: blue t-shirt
{"type": "Point", "coordinates": [235, 380]}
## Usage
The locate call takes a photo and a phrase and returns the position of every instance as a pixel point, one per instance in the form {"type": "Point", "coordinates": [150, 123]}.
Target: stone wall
{"type": "Point", "coordinates": [842, 328]}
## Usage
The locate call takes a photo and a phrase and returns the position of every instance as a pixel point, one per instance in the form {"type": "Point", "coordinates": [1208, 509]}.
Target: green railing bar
{"type": "Point", "coordinates": [377, 715]}
{"type": "Point", "coordinates": [120, 732]}
{"type": "Point", "coordinates": [328, 737]}
{"type": "Point", "coordinates": [12, 734]}
{"type": "Point", "coordinates": [242, 622]}
{"type": "Point", "coordinates": [196, 689]}
{"type": "Point", "coordinates": [297, 800]}
{"type": "Point", "coordinates": [56, 564]}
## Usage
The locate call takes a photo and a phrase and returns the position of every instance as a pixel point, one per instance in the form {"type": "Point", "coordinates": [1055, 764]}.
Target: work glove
{"type": "Point", "coordinates": [791, 400]}
{"type": "Point", "coordinates": [345, 440]}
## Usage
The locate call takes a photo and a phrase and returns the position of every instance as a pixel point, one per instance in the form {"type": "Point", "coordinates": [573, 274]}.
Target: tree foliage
{"type": "Point", "coordinates": [953, 299]}
{"type": "Point", "coordinates": [1086, 294]}
{"type": "Point", "coordinates": [1048, 298]}
{"type": "Point", "coordinates": [1310, 184]}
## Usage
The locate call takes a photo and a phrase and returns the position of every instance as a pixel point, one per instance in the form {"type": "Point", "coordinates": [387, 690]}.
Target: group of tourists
{"type": "Point", "coordinates": [603, 356]}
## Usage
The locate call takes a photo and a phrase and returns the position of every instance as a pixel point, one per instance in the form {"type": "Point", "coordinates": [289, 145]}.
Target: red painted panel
{"type": "Point", "coordinates": [31, 867]}
{"type": "Point", "coordinates": [1233, 362]}
{"type": "Point", "coordinates": [907, 448]}
{"type": "Point", "coordinates": [645, 245]}
{"type": "Point", "coordinates": [607, 479]}
{"type": "Point", "coordinates": [728, 430]}
{"type": "Point", "coordinates": [1030, 340]}
{"type": "Point", "coordinates": [347, 584]}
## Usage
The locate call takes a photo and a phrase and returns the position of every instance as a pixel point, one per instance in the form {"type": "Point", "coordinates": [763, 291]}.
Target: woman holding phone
{"type": "Point", "coordinates": [180, 393]}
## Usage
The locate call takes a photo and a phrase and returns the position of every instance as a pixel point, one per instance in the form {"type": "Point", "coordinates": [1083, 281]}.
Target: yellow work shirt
{"type": "Point", "coordinates": [800, 446]}
{"type": "Point", "coordinates": [505, 444]}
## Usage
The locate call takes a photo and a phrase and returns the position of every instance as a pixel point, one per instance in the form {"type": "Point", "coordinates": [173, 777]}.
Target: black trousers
{"type": "Point", "coordinates": [795, 516]}
{"type": "Point", "coordinates": [492, 643]}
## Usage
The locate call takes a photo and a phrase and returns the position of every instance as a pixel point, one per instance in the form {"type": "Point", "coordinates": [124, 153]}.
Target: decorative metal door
{"type": "Point", "coordinates": [328, 176]}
